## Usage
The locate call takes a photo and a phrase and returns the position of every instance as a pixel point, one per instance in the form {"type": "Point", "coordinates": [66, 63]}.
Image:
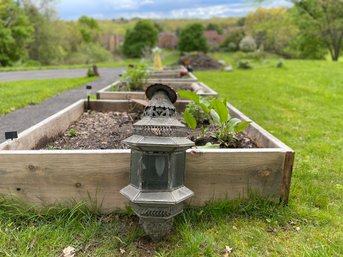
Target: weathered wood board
{"type": "Point", "coordinates": [198, 87]}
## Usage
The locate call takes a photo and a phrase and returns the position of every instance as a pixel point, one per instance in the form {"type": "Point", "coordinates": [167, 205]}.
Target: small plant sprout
{"type": "Point", "coordinates": [224, 127]}
{"type": "Point", "coordinates": [72, 133]}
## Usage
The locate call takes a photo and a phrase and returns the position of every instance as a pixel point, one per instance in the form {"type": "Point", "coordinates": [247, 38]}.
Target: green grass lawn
{"type": "Point", "coordinates": [18, 94]}
{"type": "Point", "coordinates": [302, 105]}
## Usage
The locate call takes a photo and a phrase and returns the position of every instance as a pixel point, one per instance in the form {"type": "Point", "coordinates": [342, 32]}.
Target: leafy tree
{"type": "Point", "coordinates": [216, 27]}
{"type": "Point", "coordinates": [192, 38]}
{"type": "Point", "coordinates": [15, 32]}
{"type": "Point", "coordinates": [47, 47]}
{"type": "Point", "coordinates": [89, 29]}
{"type": "Point", "coordinates": [307, 44]}
{"type": "Point", "coordinates": [143, 35]}
{"type": "Point", "coordinates": [272, 29]}
{"type": "Point", "coordinates": [325, 18]}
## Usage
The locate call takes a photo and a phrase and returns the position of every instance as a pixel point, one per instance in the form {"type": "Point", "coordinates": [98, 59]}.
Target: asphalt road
{"type": "Point", "coordinates": [24, 118]}
{"type": "Point", "coordinates": [41, 74]}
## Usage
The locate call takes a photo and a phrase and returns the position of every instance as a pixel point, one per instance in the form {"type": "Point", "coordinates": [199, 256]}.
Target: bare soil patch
{"type": "Point", "coordinates": [106, 130]}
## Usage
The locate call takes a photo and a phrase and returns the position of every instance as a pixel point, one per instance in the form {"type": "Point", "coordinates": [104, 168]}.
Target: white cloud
{"type": "Point", "coordinates": [211, 11]}
{"type": "Point", "coordinates": [162, 8]}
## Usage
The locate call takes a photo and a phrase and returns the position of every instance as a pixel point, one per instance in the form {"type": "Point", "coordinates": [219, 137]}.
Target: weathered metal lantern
{"type": "Point", "coordinates": [156, 191]}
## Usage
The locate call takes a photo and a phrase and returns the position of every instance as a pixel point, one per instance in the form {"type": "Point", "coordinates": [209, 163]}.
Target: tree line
{"type": "Point", "coordinates": [32, 34]}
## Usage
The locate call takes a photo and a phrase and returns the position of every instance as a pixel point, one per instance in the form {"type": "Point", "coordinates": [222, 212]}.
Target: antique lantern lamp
{"type": "Point", "coordinates": [158, 154]}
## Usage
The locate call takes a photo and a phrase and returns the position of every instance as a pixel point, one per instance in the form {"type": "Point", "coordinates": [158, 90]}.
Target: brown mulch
{"type": "Point", "coordinates": [201, 61]}
{"type": "Point", "coordinates": [106, 130]}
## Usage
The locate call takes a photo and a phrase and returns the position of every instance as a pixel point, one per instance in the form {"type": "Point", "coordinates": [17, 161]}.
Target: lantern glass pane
{"type": "Point", "coordinates": [178, 168]}
{"type": "Point", "coordinates": [136, 161]}
{"type": "Point", "coordinates": [155, 171]}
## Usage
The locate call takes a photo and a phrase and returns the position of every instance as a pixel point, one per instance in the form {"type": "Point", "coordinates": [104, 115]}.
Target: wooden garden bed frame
{"type": "Point", "coordinates": [106, 93]}
{"type": "Point", "coordinates": [45, 177]}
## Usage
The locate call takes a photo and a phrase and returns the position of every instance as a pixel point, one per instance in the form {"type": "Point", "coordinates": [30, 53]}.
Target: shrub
{"type": "Point", "coordinates": [248, 44]}
{"type": "Point", "coordinates": [279, 64]}
{"type": "Point", "coordinates": [192, 39]}
{"type": "Point", "coordinates": [232, 47]}
{"type": "Point", "coordinates": [90, 73]}
{"type": "Point", "coordinates": [244, 65]}
{"type": "Point", "coordinates": [143, 35]}
{"type": "Point", "coordinates": [231, 42]}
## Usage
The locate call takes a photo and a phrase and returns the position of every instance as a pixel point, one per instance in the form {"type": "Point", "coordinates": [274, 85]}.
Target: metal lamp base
{"type": "Point", "coordinates": [157, 229]}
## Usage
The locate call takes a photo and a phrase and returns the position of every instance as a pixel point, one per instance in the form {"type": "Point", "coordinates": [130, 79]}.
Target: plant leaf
{"type": "Point", "coordinates": [221, 109]}
{"type": "Point", "coordinates": [233, 123]}
{"type": "Point", "coordinates": [241, 126]}
{"type": "Point", "coordinates": [189, 119]}
{"type": "Point", "coordinates": [210, 145]}
{"type": "Point", "coordinates": [189, 95]}
{"type": "Point", "coordinates": [215, 116]}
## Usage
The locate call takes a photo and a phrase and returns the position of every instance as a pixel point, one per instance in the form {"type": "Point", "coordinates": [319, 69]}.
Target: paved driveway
{"type": "Point", "coordinates": [42, 74]}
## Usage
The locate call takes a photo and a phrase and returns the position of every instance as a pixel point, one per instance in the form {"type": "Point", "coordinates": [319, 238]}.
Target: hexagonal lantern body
{"type": "Point", "coordinates": [156, 191]}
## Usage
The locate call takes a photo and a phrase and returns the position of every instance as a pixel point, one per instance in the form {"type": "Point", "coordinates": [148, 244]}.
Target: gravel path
{"type": "Point", "coordinates": [26, 117]}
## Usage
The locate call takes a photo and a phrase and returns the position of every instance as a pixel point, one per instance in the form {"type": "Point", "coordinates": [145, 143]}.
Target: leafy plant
{"type": "Point", "coordinates": [244, 65]}
{"type": "Point", "coordinates": [279, 64]}
{"type": "Point", "coordinates": [135, 76]}
{"type": "Point", "coordinates": [72, 133]}
{"type": "Point", "coordinates": [224, 127]}
{"type": "Point", "coordinates": [198, 113]}
{"type": "Point", "coordinates": [90, 73]}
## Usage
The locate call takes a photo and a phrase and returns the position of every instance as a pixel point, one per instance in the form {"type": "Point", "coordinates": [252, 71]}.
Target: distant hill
{"type": "Point", "coordinates": [119, 26]}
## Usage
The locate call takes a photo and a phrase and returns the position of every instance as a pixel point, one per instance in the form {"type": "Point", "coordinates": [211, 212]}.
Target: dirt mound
{"type": "Point", "coordinates": [200, 61]}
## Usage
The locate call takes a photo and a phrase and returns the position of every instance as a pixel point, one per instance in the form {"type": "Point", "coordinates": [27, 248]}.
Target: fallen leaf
{"type": "Point", "coordinates": [234, 228]}
{"type": "Point", "coordinates": [69, 251]}
{"type": "Point", "coordinates": [228, 250]}
{"type": "Point", "coordinates": [122, 251]}
{"type": "Point", "coordinates": [297, 228]}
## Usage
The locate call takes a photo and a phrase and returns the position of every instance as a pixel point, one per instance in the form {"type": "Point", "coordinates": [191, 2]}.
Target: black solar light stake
{"type": "Point", "coordinates": [11, 135]}
{"type": "Point", "coordinates": [89, 92]}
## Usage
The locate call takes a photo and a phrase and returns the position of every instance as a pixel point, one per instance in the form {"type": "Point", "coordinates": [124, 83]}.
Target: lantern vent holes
{"type": "Point", "coordinates": [159, 111]}
{"type": "Point", "coordinates": [163, 131]}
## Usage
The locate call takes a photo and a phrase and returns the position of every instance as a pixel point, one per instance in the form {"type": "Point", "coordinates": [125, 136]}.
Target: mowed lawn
{"type": "Point", "coordinates": [302, 104]}
{"type": "Point", "coordinates": [18, 94]}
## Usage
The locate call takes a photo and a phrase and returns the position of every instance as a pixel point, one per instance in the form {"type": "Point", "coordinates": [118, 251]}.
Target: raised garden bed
{"type": "Point", "coordinates": [172, 76]}
{"type": "Point", "coordinates": [169, 72]}
{"type": "Point", "coordinates": [49, 176]}
{"type": "Point", "coordinates": [108, 92]}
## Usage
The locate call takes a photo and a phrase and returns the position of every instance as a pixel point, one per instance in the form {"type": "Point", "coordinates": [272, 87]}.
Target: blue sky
{"type": "Point", "coordinates": [107, 9]}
